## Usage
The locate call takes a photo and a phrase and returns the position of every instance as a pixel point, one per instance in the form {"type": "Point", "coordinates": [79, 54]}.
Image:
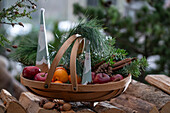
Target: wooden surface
{"type": "Point", "coordinates": [124, 108]}
{"type": "Point", "coordinates": [103, 107]}
{"type": "Point", "coordinates": [165, 108]}
{"type": "Point", "coordinates": [160, 81]}
{"type": "Point", "coordinates": [91, 92]}
{"type": "Point", "coordinates": [11, 104]}
{"type": "Point", "coordinates": [7, 97]}
{"type": "Point", "coordinates": [2, 107]}
{"type": "Point", "coordinates": [148, 93]}
{"type": "Point", "coordinates": [73, 72]}
{"type": "Point", "coordinates": [30, 102]}
{"type": "Point", "coordinates": [15, 107]}
{"type": "Point", "coordinates": [138, 98]}
{"type": "Point", "coordinates": [134, 103]}
{"type": "Point", "coordinates": [82, 88]}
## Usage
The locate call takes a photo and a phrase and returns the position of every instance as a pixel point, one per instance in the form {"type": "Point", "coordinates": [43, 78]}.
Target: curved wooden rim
{"type": "Point", "coordinates": [78, 96]}
{"type": "Point", "coordinates": [81, 88]}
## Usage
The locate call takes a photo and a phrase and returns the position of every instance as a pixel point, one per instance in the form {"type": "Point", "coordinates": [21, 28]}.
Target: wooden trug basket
{"type": "Point", "coordinates": [74, 91]}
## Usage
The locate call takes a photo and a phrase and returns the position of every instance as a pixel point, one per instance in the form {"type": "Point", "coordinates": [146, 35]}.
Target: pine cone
{"type": "Point", "coordinates": [105, 68]}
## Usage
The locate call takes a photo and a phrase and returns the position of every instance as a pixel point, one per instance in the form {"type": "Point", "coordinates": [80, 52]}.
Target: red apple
{"type": "Point", "coordinates": [40, 76]}
{"type": "Point", "coordinates": [101, 78]}
{"type": "Point", "coordinates": [30, 71]}
{"type": "Point", "coordinates": [93, 75]}
{"type": "Point", "coordinates": [116, 77]}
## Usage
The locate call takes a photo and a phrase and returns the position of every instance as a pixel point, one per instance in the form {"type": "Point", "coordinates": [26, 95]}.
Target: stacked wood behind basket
{"type": "Point", "coordinates": [74, 91]}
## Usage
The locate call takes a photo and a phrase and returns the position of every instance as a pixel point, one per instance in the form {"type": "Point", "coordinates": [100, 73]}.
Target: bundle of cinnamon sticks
{"type": "Point", "coordinates": [118, 65]}
{"type": "Point", "coordinates": [122, 63]}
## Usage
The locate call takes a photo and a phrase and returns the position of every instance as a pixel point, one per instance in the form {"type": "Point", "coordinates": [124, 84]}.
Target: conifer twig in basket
{"type": "Point", "coordinates": [122, 63]}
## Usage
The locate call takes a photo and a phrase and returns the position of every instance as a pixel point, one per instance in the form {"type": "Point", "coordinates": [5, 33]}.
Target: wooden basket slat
{"type": "Point", "coordinates": [107, 96]}
{"type": "Point", "coordinates": [82, 88]}
{"type": "Point", "coordinates": [76, 96]}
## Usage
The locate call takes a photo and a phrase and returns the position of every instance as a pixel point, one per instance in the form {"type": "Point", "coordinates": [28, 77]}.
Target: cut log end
{"type": "Point", "coordinates": [103, 107]}
{"type": "Point", "coordinates": [15, 107]}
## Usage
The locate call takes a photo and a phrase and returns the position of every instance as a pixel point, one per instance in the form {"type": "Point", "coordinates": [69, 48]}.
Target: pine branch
{"type": "Point", "coordinates": [91, 30]}
{"type": "Point", "coordinates": [27, 50]}
{"type": "Point", "coordinates": [136, 66]}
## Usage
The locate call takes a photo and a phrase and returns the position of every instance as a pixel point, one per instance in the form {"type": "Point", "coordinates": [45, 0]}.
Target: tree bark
{"type": "Point", "coordinates": [126, 109]}
{"type": "Point", "coordinates": [148, 93]}
{"type": "Point", "coordinates": [104, 107]}
{"type": "Point", "coordinates": [2, 107]}
{"type": "Point", "coordinates": [134, 103]}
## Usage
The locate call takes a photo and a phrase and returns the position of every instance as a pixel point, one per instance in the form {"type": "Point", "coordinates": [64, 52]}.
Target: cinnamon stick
{"type": "Point", "coordinates": [121, 66]}
{"type": "Point", "coordinates": [123, 62]}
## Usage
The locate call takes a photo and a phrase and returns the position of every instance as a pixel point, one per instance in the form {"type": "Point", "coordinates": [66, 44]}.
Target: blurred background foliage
{"type": "Point", "coordinates": [147, 35]}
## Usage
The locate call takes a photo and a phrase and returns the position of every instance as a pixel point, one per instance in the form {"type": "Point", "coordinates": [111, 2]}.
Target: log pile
{"type": "Point", "coordinates": [160, 81]}
{"type": "Point", "coordinates": [10, 104]}
{"type": "Point", "coordinates": [138, 98]}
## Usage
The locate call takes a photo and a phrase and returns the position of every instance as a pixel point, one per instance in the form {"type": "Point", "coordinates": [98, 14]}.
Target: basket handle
{"type": "Point", "coordinates": [57, 59]}
{"type": "Point", "coordinates": [73, 57]}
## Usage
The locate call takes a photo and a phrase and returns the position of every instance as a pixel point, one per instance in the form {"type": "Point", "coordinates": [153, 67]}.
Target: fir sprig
{"type": "Point", "coordinates": [3, 40]}
{"type": "Point", "coordinates": [135, 67]}
{"type": "Point", "coordinates": [91, 30]}
{"type": "Point", "coordinates": [27, 50]}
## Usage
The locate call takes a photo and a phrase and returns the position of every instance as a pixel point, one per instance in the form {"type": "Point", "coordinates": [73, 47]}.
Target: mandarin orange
{"type": "Point", "coordinates": [58, 81]}
{"type": "Point", "coordinates": [60, 75]}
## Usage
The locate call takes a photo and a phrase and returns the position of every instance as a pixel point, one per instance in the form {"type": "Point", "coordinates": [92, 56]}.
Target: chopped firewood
{"type": "Point", "coordinates": [160, 81]}
{"type": "Point", "coordinates": [148, 93]}
{"type": "Point", "coordinates": [2, 107]}
{"type": "Point", "coordinates": [103, 107]}
{"type": "Point", "coordinates": [11, 103]}
{"type": "Point", "coordinates": [126, 109]}
{"type": "Point", "coordinates": [31, 103]}
{"type": "Point", "coordinates": [7, 97]}
{"type": "Point", "coordinates": [165, 108]}
{"type": "Point", "coordinates": [15, 107]}
{"type": "Point", "coordinates": [134, 103]}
